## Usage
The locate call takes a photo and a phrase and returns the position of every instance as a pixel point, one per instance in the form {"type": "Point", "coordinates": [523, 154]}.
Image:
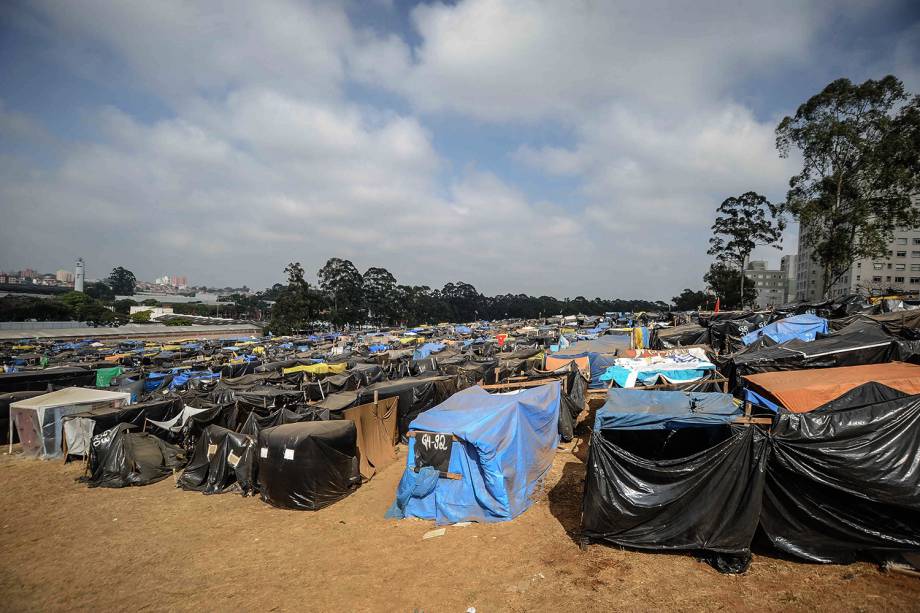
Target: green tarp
{"type": "Point", "coordinates": [104, 376]}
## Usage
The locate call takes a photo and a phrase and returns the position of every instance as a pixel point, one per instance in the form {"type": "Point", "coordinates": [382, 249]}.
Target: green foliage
{"type": "Point", "coordinates": [297, 305]}
{"type": "Point", "coordinates": [179, 322]}
{"type": "Point", "coordinates": [122, 281]}
{"type": "Point", "coordinates": [140, 317]}
{"type": "Point", "coordinates": [124, 306]}
{"type": "Point", "coordinates": [692, 300]}
{"type": "Point", "coordinates": [379, 291]}
{"type": "Point", "coordinates": [860, 147]}
{"type": "Point", "coordinates": [725, 283]}
{"type": "Point", "coordinates": [99, 291]}
{"type": "Point", "coordinates": [343, 285]}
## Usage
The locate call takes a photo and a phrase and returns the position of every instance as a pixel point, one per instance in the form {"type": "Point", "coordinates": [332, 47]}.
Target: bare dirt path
{"type": "Point", "coordinates": [66, 547]}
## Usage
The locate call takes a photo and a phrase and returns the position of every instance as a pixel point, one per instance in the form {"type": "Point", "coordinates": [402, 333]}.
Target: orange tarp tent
{"type": "Point", "coordinates": [800, 391]}
{"type": "Point", "coordinates": [556, 363]}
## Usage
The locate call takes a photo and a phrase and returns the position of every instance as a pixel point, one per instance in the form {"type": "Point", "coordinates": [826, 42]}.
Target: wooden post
{"type": "Point", "coordinates": [376, 398]}
{"type": "Point", "coordinates": [747, 409]}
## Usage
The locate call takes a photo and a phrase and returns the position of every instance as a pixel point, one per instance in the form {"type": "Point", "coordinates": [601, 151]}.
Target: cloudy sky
{"type": "Point", "coordinates": [552, 147]}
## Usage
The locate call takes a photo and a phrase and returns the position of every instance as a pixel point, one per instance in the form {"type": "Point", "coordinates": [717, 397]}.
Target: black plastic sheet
{"type": "Point", "coordinates": [308, 466]}
{"type": "Point", "coordinates": [694, 489]}
{"type": "Point", "coordinates": [223, 461]}
{"type": "Point", "coordinates": [120, 458]}
{"type": "Point", "coordinates": [844, 483]}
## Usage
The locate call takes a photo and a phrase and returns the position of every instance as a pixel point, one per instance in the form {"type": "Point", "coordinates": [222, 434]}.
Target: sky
{"type": "Point", "coordinates": [544, 147]}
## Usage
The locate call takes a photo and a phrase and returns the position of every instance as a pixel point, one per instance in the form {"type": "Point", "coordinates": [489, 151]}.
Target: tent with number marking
{"type": "Point", "coordinates": [479, 456]}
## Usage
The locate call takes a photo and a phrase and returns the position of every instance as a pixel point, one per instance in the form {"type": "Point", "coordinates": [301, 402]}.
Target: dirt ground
{"type": "Point", "coordinates": [66, 547]}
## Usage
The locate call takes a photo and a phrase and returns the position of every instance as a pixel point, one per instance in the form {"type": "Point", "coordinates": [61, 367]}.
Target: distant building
{"type": "Point", "coordinates": [898, 269]}
{"type": "Point", "coordinates": [789, 265]}
{"type": "Point", "coordinates": [64, 276]}
{"type": "Point", "coordinates": [154, 311]}
{"type": "Point", "coordinates": [79, 274]}
{"type": "Point", "coordinates": [770, 284]}
{"type": "Point", "coordinates": [28, 273]}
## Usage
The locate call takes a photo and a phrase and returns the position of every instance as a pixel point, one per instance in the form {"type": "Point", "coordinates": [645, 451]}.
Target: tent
{"type": "Point", "coordinates": [79, 428]}
{"type": "Point", "coordinates": [376, 434]}
{"type": "Point", "coordinates": [668, 471]}
{"type": "Point", "coordinates": [223, 461]}
{"type": "Point", "coordinates": [843, 481]}
{"type": "Point", "coordinates": [308, 465]}
{"type": "Point", "coordinates": [29, 380]}
{"type": "Point", "coordinates": [673, 367]}
{"type": "Point", "coordinates": [416, 394]}
{"type": "Point", "coordinates": [800, 391]}
{"type": "Point", "coordinates": [479, 456]}
{"type": "Point", "coordinates": [121, 458]}
{"type": "Point", "coordinates": [39, 420]}
{"type": "Point", "coordinates": [803, 327]}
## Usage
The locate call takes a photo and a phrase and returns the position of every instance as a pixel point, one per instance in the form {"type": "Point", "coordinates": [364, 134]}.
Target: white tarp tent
{"type": "Point", "coordinates": [39, 420]}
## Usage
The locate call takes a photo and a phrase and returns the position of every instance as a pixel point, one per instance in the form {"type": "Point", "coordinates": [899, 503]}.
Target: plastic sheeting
{"type": "Point", "coordinates": [803, 327]}
{"type": "Point", "coordinates": [121, 458]}
{"type": "Point", "coordinates": [223, 461]}
{"type": "Point", "coordinates": [376, 434]}
{"type": "Point", "coordinates": [416, 395]}
{"type": "Point", "coordinates": [706, 496]}
{"type": "Point", "coordinates": [505, 445]}
{"type": "Point", "coordinates": [308, 466]}
{"type": "Point", "coordinates": [844, 484]}
{"type": "Point", "coordinates": [627, 409]}
{"type": "Point", "coordinates": [104, 376]}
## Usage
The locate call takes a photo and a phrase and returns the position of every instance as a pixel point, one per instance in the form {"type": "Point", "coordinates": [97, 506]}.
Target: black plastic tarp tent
{"type": "Point", "coordinates": [843, 481]}
{"type": "Point", "coordinates": [308, 465]}
{"type": "Point", "coordinates": [223, 461]}
{"type": "Point", "coordinates": [667, 471]}
{"type": "Point", "coordinates": [120, 458]}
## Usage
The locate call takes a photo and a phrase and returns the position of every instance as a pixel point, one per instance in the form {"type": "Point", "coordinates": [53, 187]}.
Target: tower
{"type": "Point", "coordinates": [78, 276]}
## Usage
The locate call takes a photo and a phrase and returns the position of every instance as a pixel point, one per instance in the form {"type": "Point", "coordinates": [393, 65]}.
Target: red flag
{"type": "Point", "coordinates": [501, 339]}
{"type": "Point", "coordinates": [717, 304]}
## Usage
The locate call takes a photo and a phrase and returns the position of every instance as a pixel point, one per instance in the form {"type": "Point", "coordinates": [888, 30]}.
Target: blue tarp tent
{"type": "Point", "coordinates": [803, 327]}
{"type": "Point", "coordinates": [426, 350]}
{"type": "Point", "coordinates": [630, 409]}
{"type": "Point", "coordinates": [505, 445]}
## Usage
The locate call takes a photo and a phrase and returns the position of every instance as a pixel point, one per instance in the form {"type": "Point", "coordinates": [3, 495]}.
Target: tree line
{"type": "Point", "coordinates": [345, 296]}
{"type": "Point", "coordinates": [860, 149]}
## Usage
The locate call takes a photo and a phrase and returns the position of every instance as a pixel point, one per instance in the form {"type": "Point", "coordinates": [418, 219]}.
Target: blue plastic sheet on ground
{"type": "Point", "coordinates": [631, 409]}
{"type": "Point", "coordinates": [506, 444]}
{"type": "Point", "coordinates": [803, 327]}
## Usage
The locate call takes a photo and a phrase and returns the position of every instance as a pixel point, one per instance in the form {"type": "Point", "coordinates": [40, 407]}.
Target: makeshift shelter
{"type": "Point", "coordinates": [673, 367]}
{"type": "Point", "coordinates": [843, 482]}
{"type": "Point", "coordinates": [29, 380]}
{"type": "Point", "coordinates": [416, 395]}
{"type": "Point", "coordinates": [803, 327]}
{"type": "Point", "coordinates": [800, 391]}
{"type": "Point", "coordinates": [79, 428]}
{"type": "Point", "coordinates": [377, 434]}
{"type": "Point", "coordinates": [223, 461]}
{"type": "Point", "coordinates": [39, 420]}
{"type": "Point", "coordinates": [121, 458]}
{"type": "Point", "coordinates": [308, 465]}
{"type": "Point", "coordinates": [479, 456]}
{"type": "Point", "coordinates": [669, 471]}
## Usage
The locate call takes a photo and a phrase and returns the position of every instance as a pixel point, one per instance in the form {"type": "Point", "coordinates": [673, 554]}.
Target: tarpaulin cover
{"type": "Point", "coordinates": [40, 379]}
{"type": "Point", "coordinates": [104, 376]}
{"type": "Point", "coordinates": [609, 344]}
{"type": "Point", "coordinates": [79, 428]}
{"type": "Point", "coordinates": [376, 434]}
{"type": "Point", "coordinates": [679, 336]}
{"type": "Point", "coordinates": [700, 492]}
{"type": "Point", "coordinates": [416, 394]}
{"type": "Point", "coordinates": [39, 420]}
{"type": "Point", "coordinates": [317, 369]}
{"type": "Point", "coordinates": [803, 327]}
{"type": "Point", "coordinates": [632, 409]}
{"type": "Point", "coordinates": [725, 331]}
{"type": "Point", "coordinates": [308, 465]}
{"type": "Point", "coordinates": [845, 483]}
{"type": "Point", "coordinates": [555, 363]}
{"type": "Point", "coordinates": [505, 446]}
{"type": "Point", "coordinates": [120, 458]}
{"type": "Point", "coordinates": [800, 391]}
{"type": "Point", "coordinates": [426, 350]}
{"type": "Point", "coordinates": [223, 461]}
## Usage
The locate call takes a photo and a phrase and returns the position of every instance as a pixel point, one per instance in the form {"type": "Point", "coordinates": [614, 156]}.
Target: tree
{"type": "Point", "coordinates": [122, 281]}
{"type": "Point", "coordinates": [379, 288]}
{"type": "Point", "coordinates": [690, 300]}
{"type": "Point", "coordinates": [99, 291]}
{"type": "Point", "coordinates": [722, 279]}
{"type": "Point", "coordinates": [343, 285]}
{"type": "Point", "coordinates": [860, 147]}
{"type": "Point", "coordinates": [140, 317]}
{"type": "Point", "coordinates": [743, 223]}
{"type": "Point", "coordinates": [124, 306]}
{"type": "Point", "coordinates": [297, 305]}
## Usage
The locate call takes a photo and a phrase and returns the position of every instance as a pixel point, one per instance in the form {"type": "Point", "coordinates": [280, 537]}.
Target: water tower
{"type": "Point", "coordinates": [78, 275]}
